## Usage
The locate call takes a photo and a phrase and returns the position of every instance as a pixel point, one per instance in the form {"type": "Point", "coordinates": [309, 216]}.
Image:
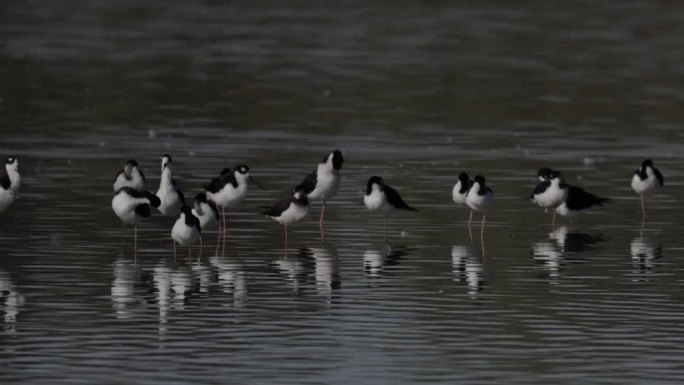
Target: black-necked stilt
{"type": "Point", "coordinates": [460, 191]}
{"type": "Point", "coordinates": [10, 183]}
{"type": "Point", "coordinates": [551, 191]}
{"type": "Point", "coordinates": [383, 198]}
{"type": "Point", "coordinates": [290, 210]}
{"type": "Point", "coordinates": [130, 176]}
{"type": "Point", "coordinates": [207, 212]}
{"type": "Point", "coordinates": [323, 183]}
{"type": "Point", "coordinates": [132, 206]}
{"type": "Point", "coordinates": [230, 189]}
{"type": "Point", "coordinates": [577, 201]}
{"type": "Point", "coordinates": [479, 198]}
{"type": "Point", "coordinates": [186, 230]}
{"type": "Point", "coordinates": [169, 193]}
{"type": "Point", "coordinates": [646, 179]}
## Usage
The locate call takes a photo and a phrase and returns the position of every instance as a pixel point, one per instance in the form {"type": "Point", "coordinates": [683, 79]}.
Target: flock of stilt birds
{"type": "Point", "coordinates": [132, 202]}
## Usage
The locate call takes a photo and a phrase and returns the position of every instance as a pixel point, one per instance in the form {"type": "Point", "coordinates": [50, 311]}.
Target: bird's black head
{"type": "Point", "coordinates": [647, 163]}
{"type": "Point", "coordinates": [544, 173]}
{"type": "Point", "coordinates": [201, 197]}
{"type": "Point", "coordinates": [463, 178]}
{"type": "Point", "coordinates": [186, 210]}
{"type": "Point", "coordinates": [132, 163]}
{"type": "Point", "coordinates": [242, 169]}
{"type": "Point", "coordinates": [299, 193]}
{"type": "Point", "coordinates": [166, 160]}
{"type": "Point", "coordinates": [480, 180]}
{"type": "Point", "coordinates": [225, 171]}
{"type": "Point", "coordinates": [11, 160]}
{"type": "Point", "coordinates": [556, 174]}
{"type": "Point", "coordinates": [374, 180]}
{"type": "Point", "coordinates": [337, 159]}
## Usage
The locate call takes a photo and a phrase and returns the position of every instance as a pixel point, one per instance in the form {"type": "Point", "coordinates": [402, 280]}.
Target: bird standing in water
{"type": "Point", "coordinates": [383, 198]}
{"type": "Point", "coordinates": [645, 180]}
{"type": "Point", "coordinates": [323, 183]}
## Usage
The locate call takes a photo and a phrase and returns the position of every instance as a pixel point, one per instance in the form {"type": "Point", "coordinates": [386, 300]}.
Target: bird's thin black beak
{"type": "Point", "coordinates": [256, 183]}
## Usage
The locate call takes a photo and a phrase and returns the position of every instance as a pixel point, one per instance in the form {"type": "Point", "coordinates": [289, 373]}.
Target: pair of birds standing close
{"type": "Point", "coordinates": [552, 192]}
{"type": "Point", "coordinates": [132, 203]}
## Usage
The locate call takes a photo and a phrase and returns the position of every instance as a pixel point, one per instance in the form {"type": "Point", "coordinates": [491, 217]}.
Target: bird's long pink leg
{"type": "Point", "coordinates": [553, 222]}
{"type": "Point", "coordinates": [174, 250]}
{"type": "Point", "coordinates": [643, 210]}
{"type": "Point", "coordinates": [470, 219]}
{"type": "Point", "coordinates": [385, 227]}
{"type": "Point", "coordinates": [482, 228]}
{"type": "Point", "coordinates": [201, 247]}
{"type": "Point", "coordinates": [286, 240]}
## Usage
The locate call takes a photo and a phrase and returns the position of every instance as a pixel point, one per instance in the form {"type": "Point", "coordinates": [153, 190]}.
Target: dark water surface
{"type": "Point", "coordinates": [414, 93]}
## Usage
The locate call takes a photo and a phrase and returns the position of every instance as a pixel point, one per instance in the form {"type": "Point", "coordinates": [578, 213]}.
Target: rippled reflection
{"type": "Point", "coordinates": [231, 278]}
{"type": "Point", "coordinates": [327, 269]}
{"type": "Point", "coordinates": [11, 302]}
{"type": "Point", "coordinates": [376, 262]}
{"type": "Point", "coordinates": [468, 267]}
{"type": "Point", "coordinates": [646, 255]}
{"type": "Point", "coordinates": [552, 252]}
{"type": "Point", "coordinates": [126, 278]}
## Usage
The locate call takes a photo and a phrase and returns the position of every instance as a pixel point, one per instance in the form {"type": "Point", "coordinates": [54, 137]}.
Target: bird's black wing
{"type": "Point", "coordinates": [659, 176]}
{"type": "Point", "coordinates": [309, 183]}
{"type": "Point", "coordinates": [5, 182]}
{"type": "Point", "coordinates": [278, 208]}
{"type": "Point", "coordinates": [154, 199]}
{"type": "Point", "coordinates": [394, 199]}
{"type": "Point", "coordinates": [180, 195]}
{"type": "Point", "coordinates": [143, 210]}
{"type": "Point", "coordinates": [578, 199]}
{"type": "Point", "coordinates": [216, 184]}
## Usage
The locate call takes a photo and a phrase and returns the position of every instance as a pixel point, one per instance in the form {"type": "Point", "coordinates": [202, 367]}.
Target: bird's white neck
{"type": "Point", "coordinates": [14, 176]}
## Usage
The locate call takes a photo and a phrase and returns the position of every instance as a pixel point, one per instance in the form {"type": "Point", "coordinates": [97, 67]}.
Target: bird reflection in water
{"type": "Point", "coordinates": [128, 281]}
{"type": "Point", "coordinates": [646, 255]}
{"type": "Point", "coordinates": [320, 263]}
{"type": "Point", "coordinates": [11, 302]}
{"type": "Point", "coordinates": [376, 262]}
{"type": "Point", "coordinates": [468, 267]}
{"type": "Point", "coordinates": [231, 278]}
{"type": "Point", "coordinates": [552, 252]}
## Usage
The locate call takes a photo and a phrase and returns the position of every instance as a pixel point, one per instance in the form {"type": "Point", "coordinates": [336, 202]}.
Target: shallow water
{"type": "Point", "coordinates": [414, 93]}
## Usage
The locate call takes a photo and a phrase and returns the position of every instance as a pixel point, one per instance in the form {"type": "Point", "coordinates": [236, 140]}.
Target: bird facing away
{"type": "Point", "coordinates": [289, 210]}
{"type": "Point", "coordinates": [480, 197]}
{"type": "Point", "coordinates": [578, 201]}
{"type": "Point", "coordinates": [132, 206]}
{"type": "Point", "coordinates": [460, 191]}
{"type": "Point", "coordinates": [551, 191]}
{"type": "Point", "coordinates": [207, 212]}
{"type": "Point", "coordinates": [645, 180]}
{"type": "Point", "coordinates": [229, 190]}
{"type": "Point", "coordinates": [10, 183]}
{"type": "Point", "coordinates": [130, 175]}
{"type": "Point", "coordinates": [171, 196]}
{"type": "Point", "coordinates": [383, 198]}
{"type": "Point", "coordinates": [186, 230]}
{"type": "Point", "coordinates": [322, 184]}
